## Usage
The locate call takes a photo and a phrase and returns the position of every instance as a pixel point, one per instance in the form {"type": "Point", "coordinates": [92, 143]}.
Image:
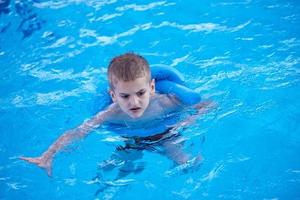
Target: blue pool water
{"type": "Point", "coordinates": [244, 55]}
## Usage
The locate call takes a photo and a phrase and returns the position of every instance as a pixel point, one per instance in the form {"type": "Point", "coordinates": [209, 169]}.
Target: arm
{"type": "Point", "coordinates": [174, 151]}
{"type": "Point", "coordinates": [171, 101]}
{"type": "Point", "coordinates": [45, 160]}
{"type": "Point", "coordinates": [201, 108]}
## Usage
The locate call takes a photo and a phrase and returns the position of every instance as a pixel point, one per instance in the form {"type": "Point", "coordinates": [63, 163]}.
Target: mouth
{"type": "Point", "coordinates": [135, 109]}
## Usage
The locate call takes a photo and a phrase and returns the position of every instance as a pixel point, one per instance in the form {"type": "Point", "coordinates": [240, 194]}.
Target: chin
{"type": "Point", "coordinates": [137, 115]}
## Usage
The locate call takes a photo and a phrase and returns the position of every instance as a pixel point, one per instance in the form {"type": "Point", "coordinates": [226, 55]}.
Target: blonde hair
{"type": "Point", "coordinates": [127, 67]}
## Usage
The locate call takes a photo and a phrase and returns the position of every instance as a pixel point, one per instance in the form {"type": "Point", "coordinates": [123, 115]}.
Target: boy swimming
{"type": "Point", "coordinates": [135, 107]}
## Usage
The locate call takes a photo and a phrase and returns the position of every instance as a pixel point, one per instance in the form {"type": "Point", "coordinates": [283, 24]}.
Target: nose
{"type": "Point", "coordinates": [134, 100]}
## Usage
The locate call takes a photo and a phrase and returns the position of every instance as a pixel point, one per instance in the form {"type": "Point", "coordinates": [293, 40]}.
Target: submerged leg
{"type": "Point", "coordinates": [184, 162]}
{"type": "Point", "coordinates": [173, 149]}
{"type": "Point", "coordinates": [129, 165]}
{"type": "Point", "coordinates": [121, 164]}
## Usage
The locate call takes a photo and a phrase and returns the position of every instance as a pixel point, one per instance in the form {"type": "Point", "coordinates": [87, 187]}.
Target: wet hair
{"type": "Point", "coordinates": [127, 67]}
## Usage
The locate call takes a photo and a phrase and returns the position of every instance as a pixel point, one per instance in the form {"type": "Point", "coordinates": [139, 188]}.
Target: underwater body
{"type": "Point", "coordinates": [242, 55]}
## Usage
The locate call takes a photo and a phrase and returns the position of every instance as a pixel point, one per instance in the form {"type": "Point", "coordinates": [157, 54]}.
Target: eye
{"type": "Point", "coordinates": [126, 96]}
{"type": "Point", "coordinates": [141, 93]}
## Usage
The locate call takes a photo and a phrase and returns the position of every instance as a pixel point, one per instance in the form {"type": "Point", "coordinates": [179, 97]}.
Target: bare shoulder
{"type": "Point", "coordinates": [114, 113]}
{"type": "Point", "coordinates": [110, 111]}
{"type": "Point", "coordinates": [167, 100]}
{"type": "Point", "coordinates": [113, 109]}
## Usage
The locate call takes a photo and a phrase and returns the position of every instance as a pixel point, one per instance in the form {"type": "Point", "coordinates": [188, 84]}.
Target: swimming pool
{"type": "Point", "coordinates": [244, 55]}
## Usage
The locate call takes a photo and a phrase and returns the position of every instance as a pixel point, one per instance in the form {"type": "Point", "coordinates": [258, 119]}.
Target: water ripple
{"type": "Point", "coordinates": [202, 27]}
{"type": "Point", "coordinates": [105, 17]}
{"type": "Point", "coordinates": [85, 80]}
{"type": "Point", "coordinates": [143, 7]}
{"type": "Point", "coordinates": [216, 60]}
{"type": "Point", "coordinates": [54, 4]}
{"type": "Point", "coordinates": [214, 173]}
{"type": "Point", "coordinates": [108, 40]}
{"type": "Point", "coordinates": [16, 186]}
{"type": "Point", "coordinates": [104, 40]}
{"type": "Point", "coordinates": [61, 42]}
{"type": "Point", "coordinates": [176, 61]}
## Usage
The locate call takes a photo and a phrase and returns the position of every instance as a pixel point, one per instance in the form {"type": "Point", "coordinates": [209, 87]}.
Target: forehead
{"type": "Point", "coordinates": [136, 85]}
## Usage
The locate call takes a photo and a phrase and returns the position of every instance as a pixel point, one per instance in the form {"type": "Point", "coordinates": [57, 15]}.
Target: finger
{"type": "Point", "coordinates": [49, 171]}
{"type": "Point", "coordinates": [31, 160]}
{"type": "Point", "coordinates": [24, 158]}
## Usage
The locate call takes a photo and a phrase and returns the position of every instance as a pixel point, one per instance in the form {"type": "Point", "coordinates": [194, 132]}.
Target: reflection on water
{"type": "Point", "coordinates": [29, 20]}
{"type": "Point", "coordinates": [244, 55]}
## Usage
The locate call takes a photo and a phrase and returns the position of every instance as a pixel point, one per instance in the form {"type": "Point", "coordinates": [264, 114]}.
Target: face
{"type": "Point", "coordinates": [133, 96]}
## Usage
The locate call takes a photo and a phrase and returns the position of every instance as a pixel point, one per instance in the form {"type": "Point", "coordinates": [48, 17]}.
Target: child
{"type": "Point", "coordinates": [135, 107]}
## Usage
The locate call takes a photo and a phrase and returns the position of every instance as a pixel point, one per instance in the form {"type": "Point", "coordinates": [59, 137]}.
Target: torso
{"type": "Point", "coordinates": [155, 119]}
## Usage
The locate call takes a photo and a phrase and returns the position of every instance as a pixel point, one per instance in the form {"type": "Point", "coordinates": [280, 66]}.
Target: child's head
{"type": "Point", "coordinates": [130, 83]}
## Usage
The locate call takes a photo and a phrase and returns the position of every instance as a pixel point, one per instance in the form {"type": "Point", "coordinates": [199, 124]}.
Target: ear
{"type": "Point", "coordinates": [152, 87]}
{"type": "Point", "coordinates": [112, 95]}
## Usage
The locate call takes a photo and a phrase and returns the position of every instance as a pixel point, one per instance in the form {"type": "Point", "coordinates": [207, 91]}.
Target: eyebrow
{"type": "Point", "coordinates": [141, 90]}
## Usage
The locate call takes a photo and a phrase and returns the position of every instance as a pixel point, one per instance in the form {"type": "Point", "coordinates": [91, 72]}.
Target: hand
{"type": "Point", "coordinates": [42, 161]}
{"type": "Point", "coordinates": [204, 106]}
{"type": "Point", "coordinates": [201, 108]}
